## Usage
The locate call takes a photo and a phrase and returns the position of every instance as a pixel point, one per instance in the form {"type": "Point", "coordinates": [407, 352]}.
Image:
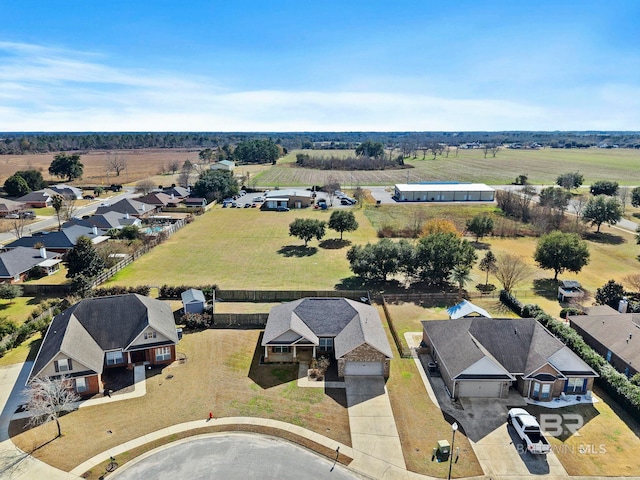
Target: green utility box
{"type": "Point", "coordinates": [443, 450]}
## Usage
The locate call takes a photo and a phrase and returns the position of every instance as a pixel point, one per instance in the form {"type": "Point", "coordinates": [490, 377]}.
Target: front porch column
{"type": "Point", "coordinates": [314, 352]}
{"type": "Point", "coordinates": [295, 352]}
{"type": "Point", "coordinates": [128, 358]}
{"type": "Point", "coordinates": [266, 352]}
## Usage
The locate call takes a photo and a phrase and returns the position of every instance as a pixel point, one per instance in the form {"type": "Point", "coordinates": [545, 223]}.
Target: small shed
{"type": "Point", "coordinates": [193, 301]}
{"type": "Point", "coordinates": [569, 289]}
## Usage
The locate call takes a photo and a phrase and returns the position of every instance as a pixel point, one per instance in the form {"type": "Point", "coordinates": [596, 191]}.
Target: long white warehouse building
{"type": "Point", "coordinates": [443, 192]}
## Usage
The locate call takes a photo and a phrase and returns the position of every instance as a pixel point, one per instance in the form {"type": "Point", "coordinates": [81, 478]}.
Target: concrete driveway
{"type": "Point", "coordinates": [501, 453]}
{"type": "Point", "coordinates": [374, 436]}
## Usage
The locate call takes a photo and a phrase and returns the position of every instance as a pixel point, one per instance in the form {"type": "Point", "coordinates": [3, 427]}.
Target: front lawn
{"type": "Point", "coordinates": [221, 375]}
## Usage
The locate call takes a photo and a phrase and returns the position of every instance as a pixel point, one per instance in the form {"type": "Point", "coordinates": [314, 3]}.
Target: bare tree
{"type": "Point", "coordinates": [494, 149]}
{"type": "Point", "coordinates": [17, 226]}
{"type": "Point", "coordinates": [436, 149]}
{"type": "Point", "coordinates": [145, 186]}
{"type": "Point", "coordinates": [633, 281]}
{"type": "Point", "coordinates": [174, 166]}
{"type": "Point", "coordinates": [116, 163]}
{"type": "Point", "coordinates": [624, 194]}
{"type": "Point", "coordinates": [447, 149]}
{"type": "Point", "coordinates": [68, 209]}
{"type": "Point", "coordinates": [511, 270]}
{"type": "Point", "coordinates": [57, 202]}
{"type": "Point", "coordinates": [331, 186]}
{"type": "Point", "coordinates": [48, 399]}
{"type": "Point", "coordinates": [577, 205]}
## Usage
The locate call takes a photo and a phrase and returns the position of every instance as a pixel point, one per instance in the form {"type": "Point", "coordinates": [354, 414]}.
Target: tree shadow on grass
{"type": "Point", "coordinates": [359, 283]}
{"type": "Point", "coordinates": [546, 287]}
{"type": "Point", "coordinates": [297, 251]}
{"type": "Point", "coordinates": [334, 244]}
{"type": "Point", "coordinates": [480, 245]}
{"type": "Point", "coordinates": [605, 238]}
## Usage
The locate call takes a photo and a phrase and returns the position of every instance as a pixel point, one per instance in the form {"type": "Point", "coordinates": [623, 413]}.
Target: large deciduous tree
{"type": "Point", "coordinates": [66, 166]}
{"type": "Point", "coordinates": [604, 187]}
{"type": "Point", "coordinates": [116, 163]}
{"type": "Point", "coordinates": [602, 209]}
{"type": "Point", "coordinates": [16, 186]}
{"type": "Point", "coordinates": [257, 151]}
{"type": "Point", "coordinates": [83, 259]}
{"type": "Point", "coordinates": [570, 180]}
{"type": "Point", "coordinates": [33, 178]}
{"type": "Point", "coordinates": [215, 185]}
{"type": "Point", "coordinates": [635, 197]}
{"type": "Point", "coordinates": [438, 254]}
{"type": "Point", "coordinates": [306, 229]}
{"type": "Point", "coordinates": [343, 221]}
{"type": "Point", "coordinates": [560, 252]}
{"type": "Point", "coordinates": [47, 399]}
{"type": "Point", "coordinates": [374, 261]}
{"type": "Point", "coordinates": [610, 294]}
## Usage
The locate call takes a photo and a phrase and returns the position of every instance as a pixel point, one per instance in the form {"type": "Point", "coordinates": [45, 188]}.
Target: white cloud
{"type": "Point", "coordinates": [46, 89]}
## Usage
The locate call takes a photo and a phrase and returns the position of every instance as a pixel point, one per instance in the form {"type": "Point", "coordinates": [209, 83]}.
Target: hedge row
{"type": "Point", "coordinates": [174, 291]}
{"type": "Point", "coordinates": [108, 291]}
{"type": "Point", "coordinates": [197, 321]}
{"type": "Point", "coordinates": [613, 382]}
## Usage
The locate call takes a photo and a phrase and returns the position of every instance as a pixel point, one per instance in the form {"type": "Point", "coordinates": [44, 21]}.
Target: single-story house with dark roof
{"type": "Point", "coordinates": [60, 241]}
{"type": "Point", "coordinates": [67, 191]}
{"type": "Point", "coordinates": [106, 332]}
{"type": "Point", "coordinates": [16, 263]}
{"type": "Point", "coordinates": [193, 301]}
{"type": "Point", "coordinates": [9, 206]}
{"type": "Point", "coordinates": [176, 191]}
{"type": "Point", "coordinates": [614, 335]}
{"type": "Point", "coordinates": [159, 199]}
{"type": "Point", "coordinates": [485, 357]}
{"type": "Point", "coordinates": [129, 206]}
{"type": "Point", "coordinates": [105, 221]}
{"type": "Point", "coordinates": [38, 198]}
{"type": "Point", "coordinates": [344, 330]}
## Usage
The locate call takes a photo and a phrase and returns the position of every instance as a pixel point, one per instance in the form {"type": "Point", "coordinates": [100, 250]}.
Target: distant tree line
{"type": "Point", "coordinates": [305, 160]}
{"type": "Point", "coordinates": [21, 143]}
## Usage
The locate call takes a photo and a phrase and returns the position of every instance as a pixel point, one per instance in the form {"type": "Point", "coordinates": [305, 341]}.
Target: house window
{"type": "Point", "coordinates": [149, 335]}
{"type": "Point", "coordinates": [81, 385]}
{"type": "Point", "coordinates": [63, 365]}
{"type": "Point", "coordinates": [546, 391]}
{"type": "Point", "coordinates": [163, 354]}
{"type": "Point", "coordinates": [575, 385]}
{"type": "Point", "coordinates": [114, 358]}
{"type": "Point", "coordinates": [326, 344]}
{"type": "Point", "coordinates": [280, 349]}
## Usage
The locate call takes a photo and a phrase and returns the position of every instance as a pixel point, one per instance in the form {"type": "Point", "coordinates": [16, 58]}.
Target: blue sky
{"type": "Point", "coordinates": [78, 65]}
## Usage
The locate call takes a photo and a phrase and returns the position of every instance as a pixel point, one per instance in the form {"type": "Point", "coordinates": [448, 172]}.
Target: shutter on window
{"type": "Point", "coordinates": [55, 365]}
{"type": "Point", "coordinates": [70, 365]}
{"type": "Point", "coordinates": [584, 385]}
{"type": "Point", "coordinates": [566, 385]}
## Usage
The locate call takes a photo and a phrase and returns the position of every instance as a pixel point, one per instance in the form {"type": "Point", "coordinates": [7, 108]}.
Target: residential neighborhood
{"type": "Point", "coordinates": [319, 240]}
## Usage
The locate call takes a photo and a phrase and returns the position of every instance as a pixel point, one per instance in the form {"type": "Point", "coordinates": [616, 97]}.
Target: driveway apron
{"type": "Point", "coordinates": [374, 436]}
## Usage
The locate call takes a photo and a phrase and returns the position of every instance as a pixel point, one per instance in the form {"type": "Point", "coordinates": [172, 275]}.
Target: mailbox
{"type": "Point", "coordinates": [443, 450]}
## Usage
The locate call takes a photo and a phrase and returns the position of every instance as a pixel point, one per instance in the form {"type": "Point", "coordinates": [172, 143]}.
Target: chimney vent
{"type": "Point", "coordinates": [94, 230]}
{"type": "Point", "coordinates": [43, 252]}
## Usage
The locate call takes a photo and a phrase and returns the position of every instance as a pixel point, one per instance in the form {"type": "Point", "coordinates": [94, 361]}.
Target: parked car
{"type": "Point", "coordinates": [258, 199]}
{"type": "Point", "coordinates": [282, 209]}
{"type": "Point", "coordinates": [12, 216]}
{"type": "Point", "coordinates": [247, 205]}
{"type": "Point", "coordinates": [105, 204]}
{"type": "Point", "coordinates": [346, 201]}
{"type": "Point", "coordinates": [28, 214]}
{"type": "Point", "coordinates": [528, 429]}
{"type": "Point", "coordinates": [88, 197]}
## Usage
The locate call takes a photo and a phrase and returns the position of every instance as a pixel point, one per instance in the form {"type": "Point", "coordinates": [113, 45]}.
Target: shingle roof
{"type": "Point", "coordinates": [104, 221]}
{"type": "Point", "coordinates": [64, 239]}
{"type": "Point", "coordinates": [192, 295]}
{"type": "Point", "coordinates": [176, 191]}
{"type": "Point", "coordinates": [94, 325]}
{"type": "Point", "coordinates": [617, 332]}
{"type": "Point", "coordinates": [350, 323]}
{"type": "Point", "coordinates": [127, 205]}
{"type": "Point", "coordinates": [8, 206]}
{"type": "Point", "coordinates": [37, 196]}
{"type": "Point", "coordinates": [21, 259]}
{"type": "Point", "coordinates": [157, 199]}
{"type": "Point", "coordinates": [521, 346]}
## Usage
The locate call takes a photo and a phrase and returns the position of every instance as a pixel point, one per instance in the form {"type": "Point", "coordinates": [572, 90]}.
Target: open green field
{"type": "Point", "coordinates": [542, 167]}
{"type": "Point", "coordinates": [247, 249]}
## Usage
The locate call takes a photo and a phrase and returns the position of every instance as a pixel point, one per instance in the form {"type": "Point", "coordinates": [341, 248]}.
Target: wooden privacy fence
{"type": "Point", "coordinates": [428, 298]}
{"type": "Point", "coordinates": [267, 296]}
{"type": "Point", "coordinates": [239, 320]}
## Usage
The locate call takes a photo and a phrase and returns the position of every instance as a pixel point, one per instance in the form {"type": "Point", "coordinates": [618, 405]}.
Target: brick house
{"type": "Point", "coordinates": [485, 357]}
{"type": "Point", "coordinates": [100, 333]}
{"type": "Point", "coordinates": [346, 331]}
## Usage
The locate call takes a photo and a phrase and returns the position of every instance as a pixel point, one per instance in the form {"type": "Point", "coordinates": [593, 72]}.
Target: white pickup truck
{"type": "Point", "coordinates": [529, 431]}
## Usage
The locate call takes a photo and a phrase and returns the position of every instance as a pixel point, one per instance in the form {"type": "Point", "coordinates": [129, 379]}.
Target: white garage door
{"type": "Point", "coordinates": [470, 388]}
{"type": "Point", "coordinates": [363, 368]}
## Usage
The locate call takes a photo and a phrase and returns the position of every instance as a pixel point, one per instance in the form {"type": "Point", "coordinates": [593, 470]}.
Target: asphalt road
{"type": "Point", "coordinates": [233, 456]}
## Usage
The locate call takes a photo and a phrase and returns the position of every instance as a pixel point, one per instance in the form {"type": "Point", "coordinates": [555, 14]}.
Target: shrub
{"type": "Point", "coordinates": [531, 311]}
{"type": "Point", "coordinates": [511, 302]}
{"type": "Point", "coordinates": [197, 321]}
{"type": "Point", "coordinates": [174, 291]}
{"type": "Point", "coordinates": [118, 290]}
{"type": "Point", "coordinates": [489, 287]}
{"type": "Point", "coordinates": [565, 312]}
